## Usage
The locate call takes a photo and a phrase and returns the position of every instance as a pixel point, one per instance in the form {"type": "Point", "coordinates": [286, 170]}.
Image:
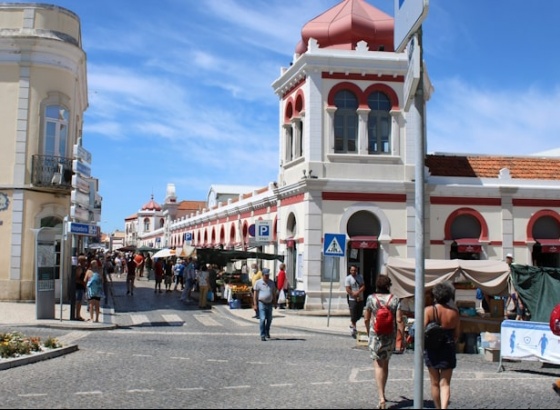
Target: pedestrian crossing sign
{"type": "Point", "coordinates": [334, 244]}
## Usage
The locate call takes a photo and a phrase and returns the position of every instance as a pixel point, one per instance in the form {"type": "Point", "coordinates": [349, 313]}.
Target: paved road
{"type": "Point", "coordinates": [167, 355]}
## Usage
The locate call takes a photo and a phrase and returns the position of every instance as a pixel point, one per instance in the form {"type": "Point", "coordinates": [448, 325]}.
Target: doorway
{"type": "Point", "coordinates": [363, 228]}
{"type": "Point", "coordinates": [366, 261]}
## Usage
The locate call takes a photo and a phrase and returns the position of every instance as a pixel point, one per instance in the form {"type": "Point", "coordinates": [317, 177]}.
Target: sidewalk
{"type": "Point", "coordinates": [24, 314]}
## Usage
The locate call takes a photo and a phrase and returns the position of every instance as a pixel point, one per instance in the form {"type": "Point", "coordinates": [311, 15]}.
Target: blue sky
{"type": "Point", "coordinates": [180, 90]}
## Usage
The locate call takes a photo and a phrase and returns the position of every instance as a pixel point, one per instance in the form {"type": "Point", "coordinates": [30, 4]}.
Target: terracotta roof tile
{"type": "Point", "coordinates": [490, 166]}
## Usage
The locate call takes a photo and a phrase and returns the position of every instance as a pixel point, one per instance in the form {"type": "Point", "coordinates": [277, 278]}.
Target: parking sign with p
{"type": "Point", "coordinates": [263, 231]}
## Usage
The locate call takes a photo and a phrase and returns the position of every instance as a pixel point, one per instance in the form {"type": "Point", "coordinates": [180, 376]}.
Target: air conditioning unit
{"type": "Point", "coordinates": [57, 177]}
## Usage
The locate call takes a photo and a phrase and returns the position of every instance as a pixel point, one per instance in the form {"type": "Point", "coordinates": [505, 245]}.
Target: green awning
{"type": "Point", "coordinates": [221, 256]}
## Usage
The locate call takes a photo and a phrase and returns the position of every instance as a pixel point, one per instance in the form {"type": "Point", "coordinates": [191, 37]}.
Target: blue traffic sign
{"type": "Point", "coordinates": [334, 244]}
{"type": "Point", "coordinates": [188, 236]}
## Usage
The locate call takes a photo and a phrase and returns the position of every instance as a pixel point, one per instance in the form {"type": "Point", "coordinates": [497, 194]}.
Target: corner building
{"type": "Point", "coordinates": [43, 94]}
{"type": "Point", "coordinates": [347, 166]}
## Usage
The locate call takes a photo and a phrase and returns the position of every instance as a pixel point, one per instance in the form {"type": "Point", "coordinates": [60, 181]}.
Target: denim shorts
{"type": "Point", "coordinates": [79, 294]}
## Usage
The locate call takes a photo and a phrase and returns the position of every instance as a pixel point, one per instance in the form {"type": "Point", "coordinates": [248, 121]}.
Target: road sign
{"type": "Point", "coordinates": [77, 197]}
{"type": "Point", "coordinates": [82, 154]}
{"type": "Point", "coordinates": [334, 244]}
{"type": "Point", "coordinates": [409, 15]}
{"type": "Point", "coordinates": [413, 74]}
{"type": "Point", "coordinates": [77, 212]}
{"type": "Point", "coordinates": [81, 168]}
{"type": "Point", "coordinates": [188, 236]}
{"type": "Point", "coordinates": [83, 229]}
{"type": "Point", "coordinates": [263, 231]}
{"type": "Point", "coordinates": [252, 230]}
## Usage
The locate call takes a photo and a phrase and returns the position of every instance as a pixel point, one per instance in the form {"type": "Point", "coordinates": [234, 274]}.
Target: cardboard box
{"type": "Point", "coordinates": [496, 307]}
{"type": "Point", "coordinates": [490, 340]}
{"type": "Point", "coordinates": [492, 355]}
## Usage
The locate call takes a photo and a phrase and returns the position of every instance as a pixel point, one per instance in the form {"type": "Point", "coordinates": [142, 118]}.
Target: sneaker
{"type": "Point", "coordinates": [263, 339]}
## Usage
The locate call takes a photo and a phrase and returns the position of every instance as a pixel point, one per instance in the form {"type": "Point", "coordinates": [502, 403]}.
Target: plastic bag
{"type": "Point", "coordinates": [210, 296]}
{"type": "Point", "coordinates": [282, 296]}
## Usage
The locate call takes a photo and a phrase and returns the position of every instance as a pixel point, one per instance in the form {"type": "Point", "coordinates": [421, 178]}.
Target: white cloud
{"type": "Point", "coordinates": [464, 118]}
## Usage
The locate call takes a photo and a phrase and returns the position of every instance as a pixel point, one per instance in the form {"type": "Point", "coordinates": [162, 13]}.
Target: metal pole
{"type": "Point", "coordinates": [419, 106]}
{"type": "Point", "coordinates": [62, 267]}
{"type": "Point", "coordinates": [335, 260]}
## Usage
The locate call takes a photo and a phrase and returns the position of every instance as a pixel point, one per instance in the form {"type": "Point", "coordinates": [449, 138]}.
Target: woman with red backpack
{"type": "Point", "coordinates": [382, 317]}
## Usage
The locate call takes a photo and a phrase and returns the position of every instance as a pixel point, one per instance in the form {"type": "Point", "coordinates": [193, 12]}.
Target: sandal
{"type": "Point", "coordinates": [382, 405]}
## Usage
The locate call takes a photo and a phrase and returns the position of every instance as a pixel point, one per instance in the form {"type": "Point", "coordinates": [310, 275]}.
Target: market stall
{"type": "Point", "coordinates": [237, 287]}
{"type": "Point", "coordinates": [466, 275]}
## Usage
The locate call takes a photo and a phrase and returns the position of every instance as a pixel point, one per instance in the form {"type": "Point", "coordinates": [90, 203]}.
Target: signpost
{"type": "Point", "coordinates": [333, 245]}
{"type": "Point", "coordinates": [409, 15]}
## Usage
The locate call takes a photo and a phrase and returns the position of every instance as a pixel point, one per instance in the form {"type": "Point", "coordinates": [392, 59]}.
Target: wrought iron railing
{"type": "Point", "coordinates": [52, 172]}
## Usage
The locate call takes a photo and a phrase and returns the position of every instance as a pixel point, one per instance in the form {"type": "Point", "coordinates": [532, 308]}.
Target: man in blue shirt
{"type": "Point", "coordinates": [178, 270]}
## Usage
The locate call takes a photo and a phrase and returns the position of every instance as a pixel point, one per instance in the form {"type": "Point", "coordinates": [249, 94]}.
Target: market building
{"type": "Point", "coordinates": [43, 90]}
{"type": "Point", "coordinates": [347, 158]}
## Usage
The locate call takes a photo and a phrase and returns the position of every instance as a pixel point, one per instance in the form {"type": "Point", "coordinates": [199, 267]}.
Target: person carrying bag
{"type": "Point", "coordinates": [282, 285]}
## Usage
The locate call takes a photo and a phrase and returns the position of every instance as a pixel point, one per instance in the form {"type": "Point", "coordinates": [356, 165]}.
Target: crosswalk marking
{"type": "Point", "coordinates": [207, 320]}
{"type": "Point", "coordinates": [138, 320]}
{"type": "Point", "coordinates": [173, 320]}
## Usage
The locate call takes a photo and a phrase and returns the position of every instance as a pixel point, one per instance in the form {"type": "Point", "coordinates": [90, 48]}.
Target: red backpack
{"type": "Point", "coordinates": [384, 321]}
{"type": "Point", "coordinates": [555, 320]}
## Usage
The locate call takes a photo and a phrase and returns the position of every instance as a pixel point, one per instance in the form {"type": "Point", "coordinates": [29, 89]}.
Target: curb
{"type": "Point", "coordinates": [292, 327]}
{"type": "Point", "coordinates": [49, 354]}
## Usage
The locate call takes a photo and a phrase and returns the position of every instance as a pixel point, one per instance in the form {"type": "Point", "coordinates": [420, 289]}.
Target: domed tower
{"type": "Point", "coordinates": [150, 217]}
{"type": "Point", "coordinates": [345, 153]}
{"type": "Point", "coordinates": [341, 100]}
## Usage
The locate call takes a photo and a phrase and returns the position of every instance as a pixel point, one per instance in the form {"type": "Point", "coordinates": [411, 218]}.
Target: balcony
{"type": "Point", "coordinates": [54, 173]}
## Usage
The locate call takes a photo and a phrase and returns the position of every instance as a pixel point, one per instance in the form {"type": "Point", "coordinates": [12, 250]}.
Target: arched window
{"type": "Point", "coordinates": [345, 122]}
{"type": "Point", "coordinates": [379, 123]}
{"type": "Point", "coordinates": [146, 225]}
{"type": "Point", "coordinates": [161, 223]}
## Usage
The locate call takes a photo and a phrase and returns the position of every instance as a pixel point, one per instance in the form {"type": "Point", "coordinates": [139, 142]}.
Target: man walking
{"type": "Point", "coordinates": [355, 287]}
{"type": "Point", "coordinates": [264, 298]}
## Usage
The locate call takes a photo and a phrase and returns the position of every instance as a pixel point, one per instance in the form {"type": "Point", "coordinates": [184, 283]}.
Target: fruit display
{"type": "Point", "coordinates": [240, 288]}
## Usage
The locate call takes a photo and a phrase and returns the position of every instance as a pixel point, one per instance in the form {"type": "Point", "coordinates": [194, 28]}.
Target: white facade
{"type": "Point", "coordinates": [363, 187]}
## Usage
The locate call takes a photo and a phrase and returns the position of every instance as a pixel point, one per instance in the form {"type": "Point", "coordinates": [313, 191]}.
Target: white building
{"type": "Point", "coordinates": [347, 159]}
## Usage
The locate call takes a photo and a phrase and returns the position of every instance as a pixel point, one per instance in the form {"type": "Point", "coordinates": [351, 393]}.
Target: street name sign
{"type": "Point", "coordinates": [83, 229]}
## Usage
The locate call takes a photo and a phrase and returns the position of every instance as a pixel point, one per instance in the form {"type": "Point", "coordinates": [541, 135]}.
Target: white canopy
{"type": "Point", "coordinates": [490, 276]}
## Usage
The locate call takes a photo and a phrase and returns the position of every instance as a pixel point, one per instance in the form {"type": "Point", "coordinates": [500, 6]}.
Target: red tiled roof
{"type": "Point", "coordinates": [490, 166]}
{"type": "Point", "coordinates": [191, 206]}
